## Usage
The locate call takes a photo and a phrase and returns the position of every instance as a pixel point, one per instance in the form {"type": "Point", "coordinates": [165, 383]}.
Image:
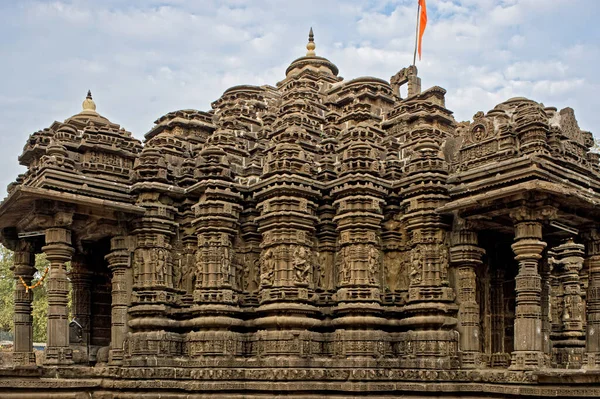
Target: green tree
{"type": "Point", "coordinates": [7, 287]}
{"type": "Point", "coordinates": [40, 302]}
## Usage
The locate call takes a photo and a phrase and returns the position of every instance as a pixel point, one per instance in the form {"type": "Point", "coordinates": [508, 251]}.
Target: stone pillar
{"type": "Point", "coordinates": [119, 264]}
{"type": "Point", "coordinates": [499, 357]}
{"type": "Point", "coordinates": [592, 336]}
{"type": "Point", "coordinates": [431, 340]}
{"type": "Point", "coordinates": [545, 274]}
{"type": "Point", "coordinates": [465, 256]}
{"type": "Point", "coordinates": [58, 251]}
{"type": "Point", "coordinates": [24, 261]}
{"type": "Point", "coordinates": [569, 342]}
{"type": "Point", "coordinates": [528, 247]}
{"type": "Point", "coordinates": [81, 283]}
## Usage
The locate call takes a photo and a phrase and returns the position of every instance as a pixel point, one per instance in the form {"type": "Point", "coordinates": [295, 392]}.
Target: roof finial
{"type": "Point", "coordinates": [89, 104]}
{"type": "Point", "coordinates": [311, 44]}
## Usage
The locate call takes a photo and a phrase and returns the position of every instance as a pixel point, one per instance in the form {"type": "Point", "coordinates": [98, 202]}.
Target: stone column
{"type": "Point", "coordinates": [465, 256]}
{"type": "Point", "coordinates": [569, 342]}
{"type": "Point", "coordinates": [58, 251]}
{"type": "Point", "coordinates": [119, 264]}
{"type": "Point", "coordinates": [528, 247]}
{"type": "Point", "coordinates": [592, 336]}
{"type": "Point", "coordinates": [81, 283]}
{"type": "Point", "coordinates": [499, 357]}
{"type": "Point", "coordinates": [545, 274]}
{"type": "Point", "coordinates": [24, 261]}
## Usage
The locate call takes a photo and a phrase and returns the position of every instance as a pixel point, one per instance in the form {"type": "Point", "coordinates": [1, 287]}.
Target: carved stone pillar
{"type": "Point", "coordinates": [528, 247]}
{"type": "Point", "coordinates": [499, 357]}
{"type": "Point", "coordinates": [592, 336]}
{"type": "Point", "coordinates": [58, 251]}
{"type": "Point", "coordinates": [81, 283]}
{"type": "Point", "coordinates": [465, 256]}
{"type": "Point", "coordinates": [431, 341]}
{"type": "Point", "coordinates": [359, 203]}
{"type": "Point", "coordinates": [119, 264]}
{"type": "Point", "coordinates": [569, 343]}
{"type": "Point", "coordinates": [545, 274]}
{"type": "Point", "coordinates": [24, 262]}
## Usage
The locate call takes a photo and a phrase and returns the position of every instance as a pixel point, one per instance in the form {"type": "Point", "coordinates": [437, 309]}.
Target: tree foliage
{"type": "Point", "coordinates": [7, 287]}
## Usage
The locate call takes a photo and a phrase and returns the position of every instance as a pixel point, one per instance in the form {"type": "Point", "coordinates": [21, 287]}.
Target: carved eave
{"type": "Point", "coordinates": [184, 118]}
{"type": "Point", "coordinates": [71, 182]}
{"type": "Point", "coordinates": [410, 111]}
{"type": "Point", "coordinates": [525, 168]}
{"type": "Point", "coordinates": [171, 190]}
{"type": "Point", "coordinates": [19, 204]}
{"type": "Point", "coordinates": [365, 184]}
{"type": "Point", "coordinates": [293, 185]}
{"type": "Point", "coordinates": [489, 200]}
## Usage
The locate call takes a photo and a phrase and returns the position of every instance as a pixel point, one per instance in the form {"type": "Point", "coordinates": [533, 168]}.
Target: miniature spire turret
{"type": "Point", "coordinates": [311, 44]}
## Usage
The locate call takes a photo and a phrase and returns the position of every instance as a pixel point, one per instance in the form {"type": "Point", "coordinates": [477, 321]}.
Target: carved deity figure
{"type": "Point", "coordinates": [239, 272]}
{"type": "Point", "coordinates": [252, 282]}
{"type": "Point", "coordinates": [177, 274]}
{"type": "Point", "coordinates": [373, 264]}
{"type": "Point", "coordinates": [226, 257]}
{"type": "Point", "coordinates": [267, 268]}
{"type": "Point", "coordinates": [416, 266]}
{"type": "Point", "coordinates": [301, 264]}
{"type": "Point", "coordinates": [189, 269]}
{"type": "Point", "coordinates": [138, 265]}
{"type": "Point", "coordinates": [199, 270]}
{"type": "Point", "coordinates": [444, 261]}
{"type": "Point", "coordinates": [161, 266]}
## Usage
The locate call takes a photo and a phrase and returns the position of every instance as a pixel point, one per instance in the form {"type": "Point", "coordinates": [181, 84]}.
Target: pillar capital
{"type": "Point", "coordinates": [533, 214]}
{"type": "Point", "coordinates": [465, 249]}
{"type": "Point", "coordinates": [24, 259]}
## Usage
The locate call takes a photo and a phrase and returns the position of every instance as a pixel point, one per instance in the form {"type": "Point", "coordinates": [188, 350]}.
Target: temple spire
{"type": "Point", "coordinates": [311, 44]}
{"type": "Point", "coordinates": [89, 104]}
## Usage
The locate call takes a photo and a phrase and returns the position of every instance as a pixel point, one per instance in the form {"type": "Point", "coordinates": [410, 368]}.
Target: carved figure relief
{"type": "Point", "coordinates": [161, 266]}
{"type": "Point", "coordinates": [267, 268]}
{"type": "Point", "coordinates": [189, 272]}
{"type": "Point", "coordinates": [416, 266]}
{"type": "Point", "coordinates": [373, 264]}
{"type": "Point", "coordinates": [302, 264]}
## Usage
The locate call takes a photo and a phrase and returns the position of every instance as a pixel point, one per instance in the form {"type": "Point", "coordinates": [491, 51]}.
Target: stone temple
{"type": "Point", "coordinates": [318, 238]}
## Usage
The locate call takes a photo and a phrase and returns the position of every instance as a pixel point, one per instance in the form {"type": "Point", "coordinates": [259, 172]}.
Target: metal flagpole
{"type": "Point", "coordinates": [417, 33]}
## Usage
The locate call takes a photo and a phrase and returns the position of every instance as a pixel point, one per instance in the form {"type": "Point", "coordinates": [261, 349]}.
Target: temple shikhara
{"type": "Point", "coordinates": [317, 238]}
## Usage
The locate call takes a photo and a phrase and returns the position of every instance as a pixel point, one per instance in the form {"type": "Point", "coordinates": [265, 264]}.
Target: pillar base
{"type": "Point", "coordinates": [471, 360]}
{"type": "Point", "coordinates": [527, 360]}
{"type": "Point", "coordinates": [24, 359]}
{"type": "Point", "coordinates": [568, 357]}
{"type": "Point", "coordinates": [591, 361]}
{"type": "Point", "coordinates": [58, 356]}
{"type": "Point", "coordinates": [115, 357]}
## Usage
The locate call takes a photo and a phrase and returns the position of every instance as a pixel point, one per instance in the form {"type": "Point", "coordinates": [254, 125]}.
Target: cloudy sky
{"type": "Point", "coordinates": [144, 58]}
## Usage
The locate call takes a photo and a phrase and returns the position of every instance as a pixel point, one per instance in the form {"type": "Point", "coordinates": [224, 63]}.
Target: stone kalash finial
{"type": "Point", "coordinates": [89, 104]}
{"type": "Point", "coordinates": [311, 44]}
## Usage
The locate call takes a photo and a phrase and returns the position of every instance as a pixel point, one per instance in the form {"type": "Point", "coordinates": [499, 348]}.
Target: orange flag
{"type": "Point", "coordinates": [422, 22]}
